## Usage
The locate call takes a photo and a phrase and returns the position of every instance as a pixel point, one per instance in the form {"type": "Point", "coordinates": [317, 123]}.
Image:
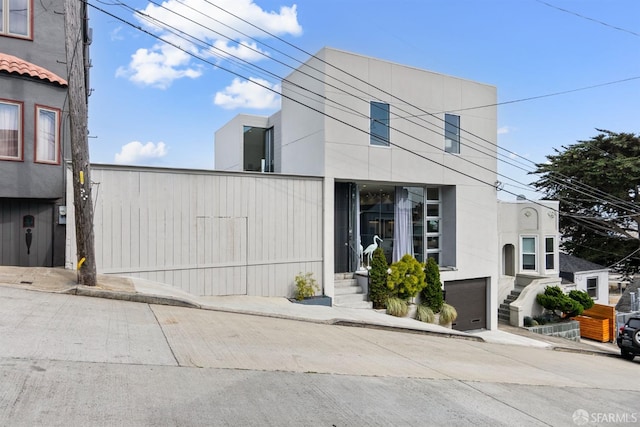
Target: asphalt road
{"type": "Point", "coordinates": [70, 360]}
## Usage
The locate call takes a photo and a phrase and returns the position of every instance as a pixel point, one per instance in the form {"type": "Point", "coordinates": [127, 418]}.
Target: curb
{"type": "Point", "coordinates": [131, 297]}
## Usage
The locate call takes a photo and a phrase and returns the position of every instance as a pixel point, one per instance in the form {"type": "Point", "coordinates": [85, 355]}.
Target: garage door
{"type": "Point", "coordinates": [469, 297]}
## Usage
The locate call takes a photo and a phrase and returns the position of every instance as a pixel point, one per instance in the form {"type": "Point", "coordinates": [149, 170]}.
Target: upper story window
{"type": "Point", "coordinates": [549, 253]}
{"type": "Point", "coordinates": [452, 133]}
{"type": "Point", "coordinates": [258, 149]}
{"type": "Point", "coordinates": [528, 253]}
{"type": "Point", "coordinates": [47, 135]}
{"type": "Point", "coordinates": [10, 130]}
{"type": "Point", "coordinates": [16, 18]}
{"type": "Point", "coordinates": [379, 124]}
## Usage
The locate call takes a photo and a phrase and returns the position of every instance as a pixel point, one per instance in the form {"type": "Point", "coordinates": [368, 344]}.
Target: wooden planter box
{"type": "Point", "coordinates": [592, 328]}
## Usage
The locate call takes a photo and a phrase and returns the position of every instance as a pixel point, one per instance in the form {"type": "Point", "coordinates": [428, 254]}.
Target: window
{"type": "Point", "coordinates": [452, 133]}
{"type": "Point", "coordinates": [16, 18]}
{"type": "Point", "coordinates": [47, 135]}
{"type": "Point", "coordinates": [433, 222]}
{"type": "Point", "coordinates": [529, 253]}
{"type": "Point", "coordinates": [379, 124]}
{"type": "Point", "coordinates": [592, 287]}
{"type": "Point", "coordinates": [258, 149]}
{"type": "Point", "coordinates": [10, 131]}
{"type": "Point", "coordinates": [549, 253]}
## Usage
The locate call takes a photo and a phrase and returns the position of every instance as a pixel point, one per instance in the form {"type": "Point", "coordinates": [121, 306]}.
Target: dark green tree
{"type": "Point", "coordinates": [563, 305]}
{"type": "Point", "coordinates": [432, 292]}
{"type": "Point", "coordinates": [378, 291]}
{"type": "Point", "coordinates": [598, 185]}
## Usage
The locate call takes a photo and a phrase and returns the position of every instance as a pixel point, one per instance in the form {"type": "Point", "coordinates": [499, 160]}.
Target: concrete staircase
{"type": "Point", "coordinates": [347, 292]}
{"type": "Point", "coordinates": [504, 313]}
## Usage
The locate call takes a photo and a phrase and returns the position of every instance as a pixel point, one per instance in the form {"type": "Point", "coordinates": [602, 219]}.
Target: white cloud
{"type": "Point", "coordinates": [248, 94]}
{"type": "Point", "coordinates": [158, 66]}
{"type": "Point", "coordinates": [161, 64]}
{"type": "Point", "coordinates": [136, 152]}
{"type": "Point", "coordinates": [504, 130]}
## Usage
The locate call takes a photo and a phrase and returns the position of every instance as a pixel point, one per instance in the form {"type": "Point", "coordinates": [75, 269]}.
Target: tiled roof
{"type": "Point", "coordinates": [13, 64]}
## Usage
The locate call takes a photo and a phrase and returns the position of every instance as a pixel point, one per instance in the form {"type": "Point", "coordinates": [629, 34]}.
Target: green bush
{"type": "Point", "coordinates": [448, 314]}
{"type": "Point", "coordinates": [528, 321]}
{"type": "Point", "coordinates": [583, 298]}
{"type": "Point", "coordinates": [306, 286]}
{"type": "Point", "coordinates": [407, 278]}
{"type": "Point", "coordinates": [397, 307]}
{"type": "Point", "coordinates": [378, 291]}
{"type": "Point", "coordinates": [563, 305]}
{"type": "Point", "coordinates": [432, 292]}
{"type": "Point", "coordinates": [425, 314]}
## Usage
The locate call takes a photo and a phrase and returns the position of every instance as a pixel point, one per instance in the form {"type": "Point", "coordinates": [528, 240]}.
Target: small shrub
{"type": "Point", "coordinates": [562, 305]}
{"type": "Point", "coordinates": [397, 307]}
{"type": "Point", "coordinates": [432, 292]}
{"type": "Point", "coordinates": [528, 321]}
{"type": "Point", "coordinates": [448, 314]}
{"type": "Point", "coordinates": [534, 322]}
{"type": "Point", "coordinates": [425, 314]}
{"type": "Point", "coordinates": [378, 291]}
{"type": "Point", "coordinates": [406, 278]}
{"type": "Point", "coordinates": [306, 286]}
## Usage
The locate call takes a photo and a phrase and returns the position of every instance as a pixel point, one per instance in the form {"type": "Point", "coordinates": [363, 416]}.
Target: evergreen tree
{"type": "Point", "coordinates": [432, 292]}
{"type": "Point", "coordinates": [378, 291]}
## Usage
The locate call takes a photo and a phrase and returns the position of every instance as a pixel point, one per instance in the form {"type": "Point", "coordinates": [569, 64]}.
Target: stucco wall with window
{"type": "Point", "coordinates": [595, 283]}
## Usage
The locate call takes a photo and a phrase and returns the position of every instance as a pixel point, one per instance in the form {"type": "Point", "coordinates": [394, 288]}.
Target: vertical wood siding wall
{"type": "Point", "coordinates": [208, 233]}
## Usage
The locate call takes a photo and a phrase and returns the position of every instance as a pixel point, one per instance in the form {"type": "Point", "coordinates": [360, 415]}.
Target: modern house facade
{"type": "Point", "coordinates": [34, 137]}
{"type": "Point", "coordinates": [404, 154]}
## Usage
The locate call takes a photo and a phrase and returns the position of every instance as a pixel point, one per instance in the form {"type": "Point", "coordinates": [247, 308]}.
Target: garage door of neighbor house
{"type": "Point", "coordinates": [469, 297]}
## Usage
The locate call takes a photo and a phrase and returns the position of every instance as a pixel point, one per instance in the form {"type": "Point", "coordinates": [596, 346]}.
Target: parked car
{"type": "Point", "coordinates": [629, 338]}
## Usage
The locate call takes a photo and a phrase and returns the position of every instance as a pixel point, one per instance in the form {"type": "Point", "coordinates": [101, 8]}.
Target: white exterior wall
{"type": "Point", "coordinates": [529, 219]}
{"type": "Point", "coordinates": [580, 279]}
{"type": "Point", "coordinates": [229, 141]}
{"type": "Point", "coordinates": [337, 146]}
{"type": "Point", "coordinates": [207, 233]}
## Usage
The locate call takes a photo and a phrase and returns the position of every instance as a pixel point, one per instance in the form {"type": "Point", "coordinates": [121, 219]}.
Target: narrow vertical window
{"type": "Point", "coordinates": [10, 131]}
{"type": "Point", "coordinates": [592, 287]}
{"type": "Point", "coordinates": [47, 135]}
{"type": "Point", "coordinates": [529, 253]}
{"type": "Point", "coordinates": [452, 133]}
{"type": "Point", "coordinates": [433, 222]}
{"type": "Point", "coordinates": [258, 149]}
{"type": "Point", "coordinates": [379, 124]}
{"type": "Point", "coordinates": [549, 253]}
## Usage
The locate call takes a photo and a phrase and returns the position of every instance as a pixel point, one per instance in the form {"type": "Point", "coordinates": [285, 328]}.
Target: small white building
{"type": "Point", "coordinates": [586, 276]}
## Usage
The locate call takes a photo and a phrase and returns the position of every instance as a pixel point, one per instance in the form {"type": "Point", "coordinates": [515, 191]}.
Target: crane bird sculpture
{"type": "Point", "coordinates": [372, 248]}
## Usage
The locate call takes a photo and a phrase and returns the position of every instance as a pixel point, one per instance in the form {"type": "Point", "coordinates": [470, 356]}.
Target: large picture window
{"type": "Point", "coordinates": [10, 131]}
{"type": "Point", "coordinates": [47, 135]}
{"type": "Point", "coordinates": [379, 124]}
{"type": "Point", "coordinates": [16, 18]}
{"type": "Point", "coordinates": [452, 133]}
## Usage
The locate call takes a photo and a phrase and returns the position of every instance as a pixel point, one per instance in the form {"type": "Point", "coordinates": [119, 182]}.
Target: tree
{"type": "Point", "coordinates": [598, 185]}
{"type": "Point", "coordinates": [378, 291]}
{"type": "Point", "coordinates": [432, 292]}
{"type": "Point", "coordinates": [571, 305]}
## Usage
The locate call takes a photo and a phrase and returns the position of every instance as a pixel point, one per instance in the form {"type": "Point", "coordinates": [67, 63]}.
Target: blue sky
{"type": "Point", "coordinates": [154, 105]}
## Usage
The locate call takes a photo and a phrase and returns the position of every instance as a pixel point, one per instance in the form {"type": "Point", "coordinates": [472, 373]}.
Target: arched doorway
{"type": "Point", "coordinates": [508, 260]}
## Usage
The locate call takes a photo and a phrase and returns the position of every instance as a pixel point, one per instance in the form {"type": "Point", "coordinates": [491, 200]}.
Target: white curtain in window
{"type": "Point", "coordinates": [9, 130]}
{"type": "Point", "coordinates": [19, 17]}
{"type": "Point", "coordinates": [402, 225]}
{"type": "Point", "coordinates": [46, 145]}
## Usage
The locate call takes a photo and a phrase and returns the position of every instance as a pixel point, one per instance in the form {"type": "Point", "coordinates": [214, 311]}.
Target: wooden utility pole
{"type": "Point", "coordinates": [75, 23]}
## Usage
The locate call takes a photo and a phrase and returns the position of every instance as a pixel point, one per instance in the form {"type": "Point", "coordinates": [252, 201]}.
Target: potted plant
{"type": "Point", "coordinates": [404, 281]}
{"type": "Point", "coordinates": [306, 289]}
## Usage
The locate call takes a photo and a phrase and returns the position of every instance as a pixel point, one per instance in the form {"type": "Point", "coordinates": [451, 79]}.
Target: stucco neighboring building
{"type": "Point", "coordinates": [34, 137]}
{"type": "Point", "coordinates": [403, 155]}
{"type": "Point", "coordinates": [587, 276]}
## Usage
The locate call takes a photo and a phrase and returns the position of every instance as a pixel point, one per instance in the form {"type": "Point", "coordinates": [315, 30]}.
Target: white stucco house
{"type": "Point", "coordinates": [403, 154]}
{"type": "Point", "coordinates": [585, 276]}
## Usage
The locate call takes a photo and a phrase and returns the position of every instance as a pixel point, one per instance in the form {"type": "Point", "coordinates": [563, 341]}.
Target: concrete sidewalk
{"type": "Point", "coordinates": [58, 280]}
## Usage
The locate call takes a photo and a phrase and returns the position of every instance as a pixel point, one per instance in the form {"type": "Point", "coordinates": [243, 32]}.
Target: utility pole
{"type": "Point", "coordinates": [75, 25]}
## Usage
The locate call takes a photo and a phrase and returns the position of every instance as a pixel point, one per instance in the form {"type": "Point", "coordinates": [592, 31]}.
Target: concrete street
{"type": "Point", "coordinates": [73, 360]}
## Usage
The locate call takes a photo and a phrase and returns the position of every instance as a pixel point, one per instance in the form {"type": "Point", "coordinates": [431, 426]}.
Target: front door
{"type": "Point", "coordinates": [345, 216]}
{"type": "Point", "coordinates": [26, 233]}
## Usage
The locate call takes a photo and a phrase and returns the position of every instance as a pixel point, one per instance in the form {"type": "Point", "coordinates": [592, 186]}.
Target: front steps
{"type": "Point", "coordinates": [504, 312]}
{"type": "Point", "coordinates": [348, 294]}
